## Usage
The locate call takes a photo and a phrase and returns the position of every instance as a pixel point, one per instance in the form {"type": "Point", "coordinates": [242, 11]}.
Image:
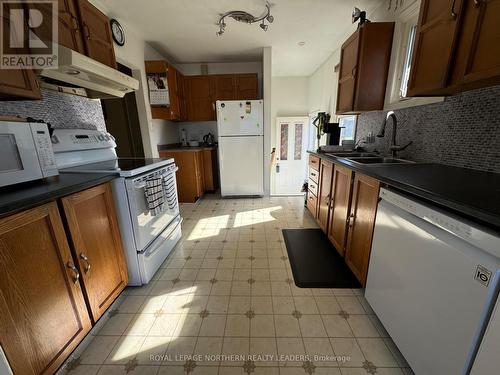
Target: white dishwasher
{"type": "Point", "coordinates": [432, 280]}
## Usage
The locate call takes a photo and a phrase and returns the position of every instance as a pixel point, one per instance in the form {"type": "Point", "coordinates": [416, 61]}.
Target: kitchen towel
{"type": "Point", "coordinates": [155, 193]}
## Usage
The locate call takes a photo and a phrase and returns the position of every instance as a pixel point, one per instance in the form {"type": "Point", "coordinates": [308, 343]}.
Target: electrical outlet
{"type": "Point", "coordinates": [370, 138]}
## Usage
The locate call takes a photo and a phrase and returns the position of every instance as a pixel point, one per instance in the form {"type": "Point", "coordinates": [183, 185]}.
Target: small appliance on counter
{"type": "Point", "coordinates": [149, 233]}
{"type": "Point", "coordinates": [209, 139]}
{"type": "Point", "coordinates": [184, 138]}
{"type": "Point", "coordinates": [332, 131]}
{"type": "Point", "coordinates": [26, 152]}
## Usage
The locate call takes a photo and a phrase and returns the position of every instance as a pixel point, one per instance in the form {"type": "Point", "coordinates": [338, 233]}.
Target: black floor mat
{"type": "Point", "coordinates": [315, 262]}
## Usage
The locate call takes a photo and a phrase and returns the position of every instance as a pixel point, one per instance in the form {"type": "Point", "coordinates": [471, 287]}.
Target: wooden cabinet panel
{"type": "Point", "coordinates": [362, 220]}
{"type": "Point", "coordinates": [210, 170]}
{"type": "Point", "coordinates": [224, 87]}
{"type": "Point", "coordinates": [312, 204]}
{"type": "Point", "coordinates": [190, 176]}
{"type": "Point", "coordinates": [313, 187]}
{"type": "Point", "coordinates": [476, 63]}
{"type": "Point", "coordinates": [347, 74]}
{"type": "Point", "coordinates": [17, 84]}
{"type": "Point", "coordinates": [97, 245]}
{"type": "Point", "coordinates": [437, 34]}
{"type": "Point", "coordinates": [247, 87]}
{"type": "Point", "coordinates": [43, 315]}
{"type": "Point", "coordinates": [325, 186]}
{"type": "Point", "coordinates": [314, 162]}
{"type": "Point", "coordinates": [313, 175]}
{"type": "Point", "coordinates": [364, 66]}
{"type": "Point", "coordinates": [199, 93]}
{"type": "Point", "coordinates": [339, 207]}
{"type": "Point", "coordinates": [173, 110]}
{"type": "Point", "coordinates": [69, 30]}
{"type": "Point", "coordinates": [96, 34]}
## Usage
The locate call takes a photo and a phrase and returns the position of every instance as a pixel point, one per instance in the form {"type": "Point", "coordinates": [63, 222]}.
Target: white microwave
{"type": "Point", "coordinates": [25, 152]}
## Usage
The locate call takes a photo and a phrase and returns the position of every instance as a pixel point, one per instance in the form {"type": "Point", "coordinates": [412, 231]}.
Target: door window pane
{"type": "Point", "coordinates": [284, 142]}
{"type": "Point", "coordinates": [298, 142]}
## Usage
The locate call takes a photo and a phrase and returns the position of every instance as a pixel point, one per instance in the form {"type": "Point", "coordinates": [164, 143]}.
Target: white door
{"type": "Point", "coordinates": [291, 145]}
{"type": "Point", "coordinates": [241, 165]}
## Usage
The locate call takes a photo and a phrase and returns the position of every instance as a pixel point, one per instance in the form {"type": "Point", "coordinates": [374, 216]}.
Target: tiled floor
{"type": "Point", "coordinates": [224, 303]}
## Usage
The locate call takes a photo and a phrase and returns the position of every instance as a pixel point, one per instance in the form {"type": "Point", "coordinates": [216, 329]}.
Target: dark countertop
{"type": "Point", "coordinates": [29, 194]}
{"type": "Point", "coordinates": [468, 192]}
{"type": "Point", "coordinates": [178, 147]}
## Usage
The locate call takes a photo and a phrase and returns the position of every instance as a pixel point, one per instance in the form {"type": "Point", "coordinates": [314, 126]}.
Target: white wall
{"type": "Point", "coordinates": [133, 54]}
{"type": "Point", "coordinates": [267, 70]}
{"type": "Point", "coordinates": [289, 98]}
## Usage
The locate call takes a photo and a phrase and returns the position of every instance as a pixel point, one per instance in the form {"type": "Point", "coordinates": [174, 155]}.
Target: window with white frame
{"type": "Point", "coordinates": [405, 73]}
{"type": "Point", "coordinates": [348, 127]}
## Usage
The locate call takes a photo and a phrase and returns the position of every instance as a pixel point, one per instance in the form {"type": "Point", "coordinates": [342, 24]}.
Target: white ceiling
{"type": "Point", "coordinates": [184, 30]}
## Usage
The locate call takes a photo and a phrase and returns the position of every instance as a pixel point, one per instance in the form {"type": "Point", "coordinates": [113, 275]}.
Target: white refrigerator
{"type": "Point", "coordinates": [240, 127]}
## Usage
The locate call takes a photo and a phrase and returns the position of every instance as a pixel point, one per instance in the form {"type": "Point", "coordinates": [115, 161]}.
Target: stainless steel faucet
{"type": "Point", "coordinates": [394, 147]}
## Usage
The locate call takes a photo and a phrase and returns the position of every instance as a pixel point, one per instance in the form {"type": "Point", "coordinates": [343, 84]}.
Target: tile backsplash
{"type": "Point", "coordinates": [462, 131]}
{"type": "Point", "coordinates": [60, 110]}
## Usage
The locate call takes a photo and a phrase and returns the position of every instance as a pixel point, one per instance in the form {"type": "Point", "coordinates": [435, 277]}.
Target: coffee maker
{"type": "Point", "coordinates": [332, 130]}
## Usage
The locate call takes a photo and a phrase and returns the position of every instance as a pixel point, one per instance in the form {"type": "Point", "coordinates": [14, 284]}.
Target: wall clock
{"type": "Point", "coordinates": [117, 32]}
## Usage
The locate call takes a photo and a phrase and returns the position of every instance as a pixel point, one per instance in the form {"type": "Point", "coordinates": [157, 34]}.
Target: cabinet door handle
{"type": "Point", "coordinates": [350, 220]}
{"type": "Point", "coordinates": [453, 14]}
{"type": "Point", "coordinates": [327, 199]}
{"type": "Point", "coordinates": [86, 31]}
{"type": "Point", "coordinates": [72, 267]}
{"type": "Point", "coordinates": [76, 27]}
{"type": "Point", "coordinates": [86, 260]}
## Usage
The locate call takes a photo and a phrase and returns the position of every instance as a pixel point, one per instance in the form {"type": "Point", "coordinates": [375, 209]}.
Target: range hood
{"type": "Point", "coordinates": [76, 72]}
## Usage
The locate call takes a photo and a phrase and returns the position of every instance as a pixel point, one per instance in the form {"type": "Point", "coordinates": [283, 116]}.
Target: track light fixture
{"type": "Point", "coordinates": [245, 17]}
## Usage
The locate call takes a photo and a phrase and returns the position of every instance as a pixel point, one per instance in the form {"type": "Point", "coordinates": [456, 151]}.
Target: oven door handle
{"type": "Point", "coordinates": [174, 225]}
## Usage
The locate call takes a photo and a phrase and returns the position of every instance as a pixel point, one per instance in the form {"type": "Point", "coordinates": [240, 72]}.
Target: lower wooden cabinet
{"type": "Point", "coordinates": [43, 316]}
{"type": "Point", "coordinates": [198, 172]}
{"type": "Point", "coordinates": [97, 244]}
{"type": "Point", "coordinates": [361, 224]}
{"type": "Point", "coordinates": [325, 185]}
{"type": "Point", "coordinates": [340, 204]}
{"type": "Point", "coordinates": [345, 209]}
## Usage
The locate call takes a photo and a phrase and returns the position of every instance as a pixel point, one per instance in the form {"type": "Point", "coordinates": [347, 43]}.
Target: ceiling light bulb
{"type": "Point", "coordinates": [301, 43]}
{"type": "Point", "coordinates": [270, 19]}
{"type": "Point", "coordinates": [263, 26]}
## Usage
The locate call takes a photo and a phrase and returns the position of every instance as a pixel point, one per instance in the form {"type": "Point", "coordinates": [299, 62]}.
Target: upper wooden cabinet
{"type": "Point", "coordinates": [174, 110]}
{"type": "Point", "coordinates": [43, 315]}
{"type": "Point", "coordinates": [437, 35]}
{"type": "Point", "coordinates": [454, 48]}
{"type": "Point", "coordinates": [97, 244]}
{"type": "Point", "coordinates": [96, 33]}
{"type": "Point", "coordinates": [247, 87]}
{"type": "Point", "coordinates": [340, 205]}
{"type": "Point", "coordinates": [201, 92]}
{"type": "Point", "coordinates": [361, 224]}
{"type": "Point", "coordinates": [224, 87]}
{"type": "Point", "coordinates": [17, 83]}
{"type": "Point", "coordinates": [364, 65]}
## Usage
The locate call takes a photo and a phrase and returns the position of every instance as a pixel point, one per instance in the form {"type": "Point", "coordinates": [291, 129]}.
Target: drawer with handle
{"type": "Point", "coordinates": [314, 175]}
{"type": "Point", "coordinates": [312, 203]}
{"type": "Point", "coordinates": [313, 187]}
{"type": "Point", "coordinates": [314, 162]}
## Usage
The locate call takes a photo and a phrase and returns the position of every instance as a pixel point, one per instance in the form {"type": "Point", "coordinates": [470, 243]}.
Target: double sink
{"type": "Point", "coordinates": [367, 158]}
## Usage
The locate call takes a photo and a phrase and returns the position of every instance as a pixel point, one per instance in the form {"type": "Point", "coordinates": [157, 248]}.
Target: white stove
{"type": "Point", "coordinates": [147, 237]}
